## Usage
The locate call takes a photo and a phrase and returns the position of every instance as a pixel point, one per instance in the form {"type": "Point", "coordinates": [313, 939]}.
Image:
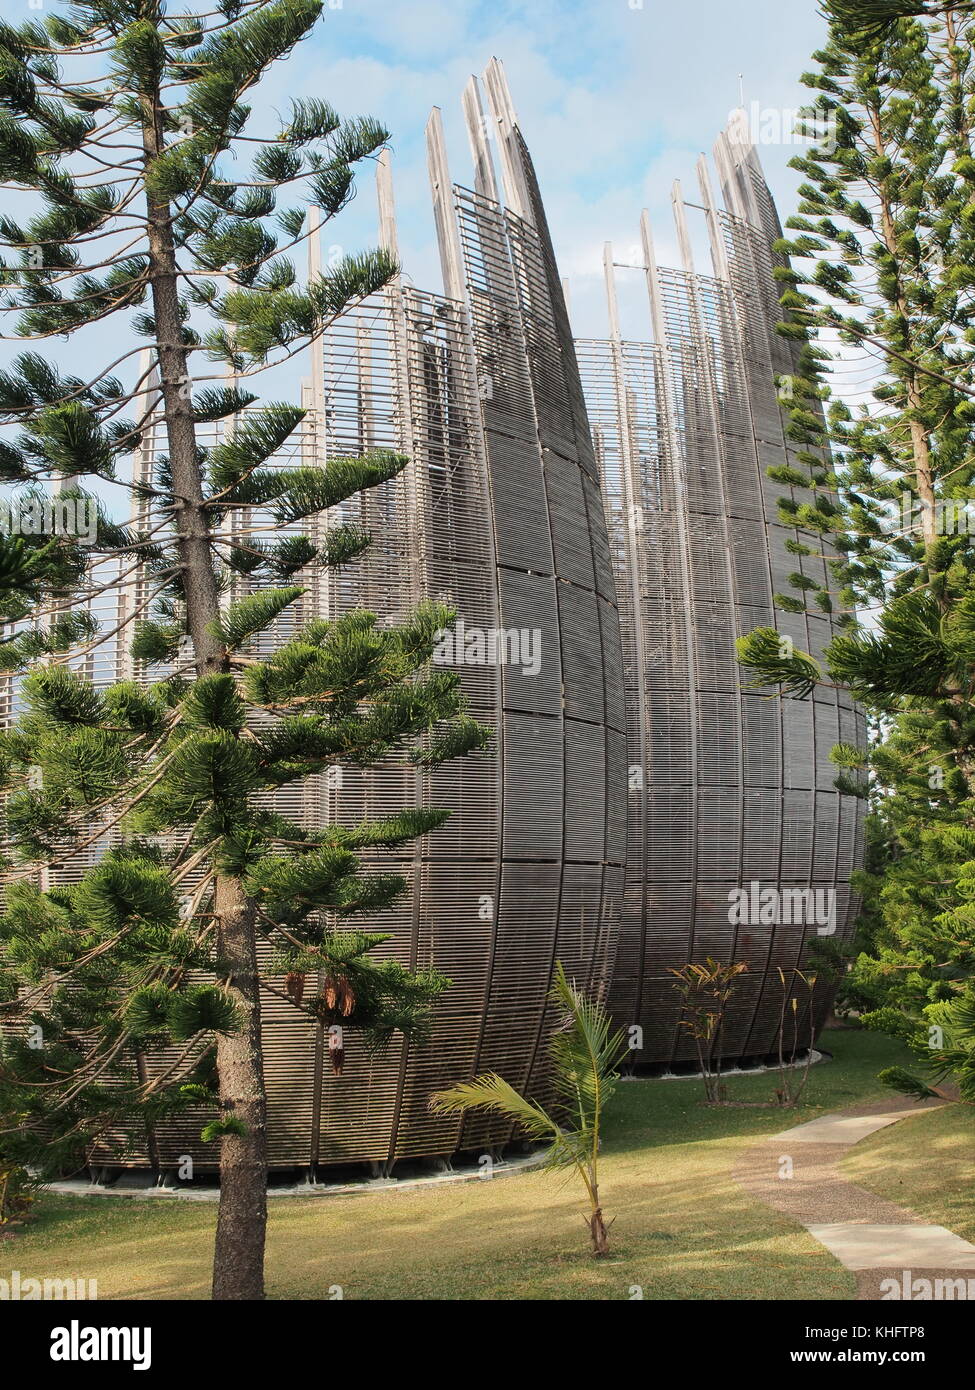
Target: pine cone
{"type": "Point", "coordinates": [294, 983]}
{"type": "Point", "coordinates": [338, 994]}
{"type": "Point", "coordinates": [348, 998]}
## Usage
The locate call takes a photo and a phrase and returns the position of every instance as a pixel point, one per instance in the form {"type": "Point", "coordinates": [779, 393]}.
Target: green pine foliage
{"type": "Point", "coordinates": [882, 258]}
{"type": "Point", "coordinates": [874, 18]}
{"type": "Point", "coordinates": [152, 199]}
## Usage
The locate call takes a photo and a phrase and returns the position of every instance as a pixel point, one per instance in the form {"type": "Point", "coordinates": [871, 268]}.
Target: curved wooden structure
{"type": "Point", "coordinates": [729, 787]}
{"type": "Point", "coordinates": [601, 577]}
{"type": "Point", "coordinates": [499, 513]}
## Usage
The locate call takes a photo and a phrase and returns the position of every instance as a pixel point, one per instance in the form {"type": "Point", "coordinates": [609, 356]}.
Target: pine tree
{"type": "Point", "coordinates": [874, 17]}
{"type": "Point", "coordinates": [883, 259]}
{"type": "Point", "coordinates": [913, 976]}
{"type": "Point", "coordinates": [135, 991]}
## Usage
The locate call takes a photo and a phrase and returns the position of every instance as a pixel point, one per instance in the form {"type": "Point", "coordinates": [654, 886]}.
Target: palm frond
{"type": "Point", "coordinates": [492, 1092]}
{"type": "Point", "coordinates": [585, 1053]}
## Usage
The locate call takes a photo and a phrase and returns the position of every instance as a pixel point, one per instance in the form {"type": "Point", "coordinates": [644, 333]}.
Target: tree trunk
{"type": "Point", "coordinates": [242, 1216]}
{"type": "Point", "coordinates": [597, 1230]}
{"type": "Point", "coordinates": [920, 443]}
{"type": "Point", "coordinates": [238, 1257]}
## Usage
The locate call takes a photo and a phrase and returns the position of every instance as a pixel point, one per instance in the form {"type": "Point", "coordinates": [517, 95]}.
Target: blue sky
{"type": "Point", "coordinates": [615, 98]}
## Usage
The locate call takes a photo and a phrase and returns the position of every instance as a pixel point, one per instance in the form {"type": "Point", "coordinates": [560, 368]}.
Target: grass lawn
{"type": "Point", "coordinates": [683, 1228]}
{"type": "Point", "coordinates": [924, 1163]}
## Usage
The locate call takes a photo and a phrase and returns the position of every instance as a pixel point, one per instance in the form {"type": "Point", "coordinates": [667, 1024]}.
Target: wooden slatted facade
{"type": "Point", "coordinates": [727, 787]}
{"type": "Point", "coordinates": [609, 499]}
{"type": "Point", "coordinates": [499, 514]}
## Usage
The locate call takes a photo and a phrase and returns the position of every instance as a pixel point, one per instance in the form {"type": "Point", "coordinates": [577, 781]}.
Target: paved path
{"type": "Point", "coordinates": [797, 1172]}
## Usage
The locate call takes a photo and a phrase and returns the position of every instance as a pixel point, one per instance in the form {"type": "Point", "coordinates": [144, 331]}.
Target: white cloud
{"type": "Point", "coordinates": [615, 102]}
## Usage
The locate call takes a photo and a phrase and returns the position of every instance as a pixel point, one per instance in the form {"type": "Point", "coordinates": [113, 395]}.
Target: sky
{"type": "Point", "coordinates": [616, 99]}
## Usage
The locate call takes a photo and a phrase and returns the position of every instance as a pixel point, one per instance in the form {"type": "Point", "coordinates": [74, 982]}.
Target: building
{"type": "Point", "coordinates": [728, 787]}
{"type": "Point", "coordinates": [499, 513]}
{"type": "Point", "coordinates": [604, 535]}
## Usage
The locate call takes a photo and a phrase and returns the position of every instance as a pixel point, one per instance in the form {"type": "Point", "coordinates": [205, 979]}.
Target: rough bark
{"type": "Point", "coordinates": [238, 1260]}
{"type": "Point", "coordinates": [920, 443]}
{"type": "Point", "coordinates": [242, 1217]}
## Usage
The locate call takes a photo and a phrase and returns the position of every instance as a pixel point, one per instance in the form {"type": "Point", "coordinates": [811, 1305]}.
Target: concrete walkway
{"type": "Point", "coordinates": [797, 1173]}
